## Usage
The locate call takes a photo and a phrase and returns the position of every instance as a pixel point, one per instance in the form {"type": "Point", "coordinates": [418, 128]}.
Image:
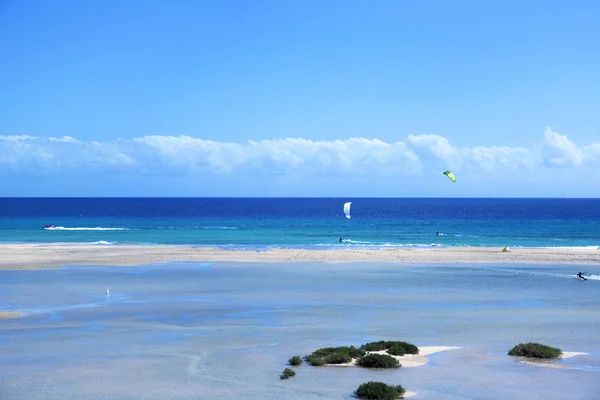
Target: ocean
{"type": "Point", "coordinates": [257, 223]}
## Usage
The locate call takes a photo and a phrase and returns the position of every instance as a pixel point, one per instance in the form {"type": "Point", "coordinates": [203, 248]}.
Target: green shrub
{"type": "Point", "coordinates": [317, 361]}
{"type": "Point", "coordinates": [378, 361]}
{"type": "Point", "coordinates": [374, 346]}
{"type": "Point", "coordinates": [354, 352]}
{"type": "Point", "coordinates": [333, 355]}
{"type": "Point", "coordinates": [295, 361]}
{"type": "Point", "coordinates": [287, 373]}
{"type": "Point", "coordinates": [395, 348]}
{"type": "Point", "coordinates": [379, 391]}
{"type": "Point", "coordinates": [338, 357]}
{"type": "Point", "coordinates": [401, 348]}
{"type": "Point", "coordinates": [534, 350]}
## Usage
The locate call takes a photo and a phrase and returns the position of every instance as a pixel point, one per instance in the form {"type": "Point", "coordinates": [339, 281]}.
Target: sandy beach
{"type": "Point", "coordinates": [551, 363]}
{"type": "Point", "coordinates": [407, 360]}
{"type": "Point", "coordinates": [41, 256]}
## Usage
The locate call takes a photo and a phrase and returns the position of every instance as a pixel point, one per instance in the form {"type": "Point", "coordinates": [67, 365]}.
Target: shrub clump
{"type": "Point", "coordinates": [287, 373]}
{"type": "Point", "coordinates": [535, 350]}
{"type": "Point", "coordinates": [333, 355]}
{"type": "Point", "coordinates": [394, 348]}
{"type": "Point", "coordinates": [295, 361]}
{"type": "Point", "coordinates": [378, 361]}
{"type": "Point", "coordinates": [379, 391]}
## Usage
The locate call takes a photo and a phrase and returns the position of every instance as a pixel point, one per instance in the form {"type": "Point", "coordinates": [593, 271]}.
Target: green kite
{"type": "Point", "coordinates": [450, 175]}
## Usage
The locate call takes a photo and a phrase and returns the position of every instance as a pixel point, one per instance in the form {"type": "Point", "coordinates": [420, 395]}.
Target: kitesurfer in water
{"type": "Point", "coordinates": [580, 276]}
{"type": "Point", "coordinates": [341, 240]}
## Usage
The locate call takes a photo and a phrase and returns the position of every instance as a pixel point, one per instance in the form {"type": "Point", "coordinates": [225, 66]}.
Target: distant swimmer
{"type": "Point", "coordinates": [580, 276]}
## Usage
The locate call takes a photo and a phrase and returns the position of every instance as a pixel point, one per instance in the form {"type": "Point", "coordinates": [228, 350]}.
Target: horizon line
{"type": "Point", "coordinates": [293, 197]}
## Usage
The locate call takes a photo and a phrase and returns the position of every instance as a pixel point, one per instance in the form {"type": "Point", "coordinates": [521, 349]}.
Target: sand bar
{"type": "Point", "coordinates": [551, 362]}
{"type": "Point", "coordinates": [407, 360]}
{"type": "Point", "coordinates": [40, 256]}
{"type": "Point", "coordinates": [9, 314]}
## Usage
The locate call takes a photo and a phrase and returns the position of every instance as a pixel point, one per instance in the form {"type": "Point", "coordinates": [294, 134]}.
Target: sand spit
{"type": "Point", "coordinates": [9, 314]}
{"type": "Point", "coordinates": [43, 256]}
{"type": "Point", "coordinates": [551, 363]}
{"type": "Point", "coordinates": [407, 360]}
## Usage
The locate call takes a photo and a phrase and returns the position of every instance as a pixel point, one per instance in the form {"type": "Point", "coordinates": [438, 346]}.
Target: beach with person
{"type": "Point", "coordinates": [299, 200]}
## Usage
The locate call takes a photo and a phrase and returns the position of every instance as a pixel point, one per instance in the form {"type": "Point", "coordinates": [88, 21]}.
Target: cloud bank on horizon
{"type": "Point", "coordinates": [30, 155]}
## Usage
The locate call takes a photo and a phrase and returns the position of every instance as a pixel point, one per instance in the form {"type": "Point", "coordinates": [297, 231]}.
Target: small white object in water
{"type": "Point", "coordinates": [107, 292]}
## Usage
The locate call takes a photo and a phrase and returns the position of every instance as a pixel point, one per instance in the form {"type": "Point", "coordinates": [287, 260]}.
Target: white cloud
{"type": "Point", "coordinates": [354, 156]}
{"type": "Point", "coordinates": [560, 151]}
{"type": "Point", "coordinates": [437, 150]}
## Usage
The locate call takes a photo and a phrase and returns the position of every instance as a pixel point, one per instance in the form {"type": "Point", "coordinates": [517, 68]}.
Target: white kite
{"type": "Point", "coordinates": [347, 209]}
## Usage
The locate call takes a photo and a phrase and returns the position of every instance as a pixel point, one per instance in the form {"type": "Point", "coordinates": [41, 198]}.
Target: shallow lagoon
{"type": "Point", "coordinates": [226, 330]}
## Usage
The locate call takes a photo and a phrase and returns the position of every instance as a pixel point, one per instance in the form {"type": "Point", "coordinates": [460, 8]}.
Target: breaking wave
{"type": "Point", "coordinates": [97, 228]}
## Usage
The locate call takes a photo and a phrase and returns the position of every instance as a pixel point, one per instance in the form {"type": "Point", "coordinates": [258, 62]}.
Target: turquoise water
{"type": "Point", "coordinates": [226, 330]}
{"type": "Point", "coordinates": [305, 222]}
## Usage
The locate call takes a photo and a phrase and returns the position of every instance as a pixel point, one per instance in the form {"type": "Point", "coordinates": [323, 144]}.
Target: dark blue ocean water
{"type": "Point", "coordinates": [304, 222]}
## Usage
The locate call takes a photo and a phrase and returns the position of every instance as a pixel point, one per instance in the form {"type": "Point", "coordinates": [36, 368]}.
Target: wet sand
{"type": "Point", "coordinates": [552, 363]}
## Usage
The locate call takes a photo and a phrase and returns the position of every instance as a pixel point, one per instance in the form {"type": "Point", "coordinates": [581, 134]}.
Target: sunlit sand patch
{"type": "Point", "coordinates": [9, 314]}
{"type": "Point", "coordinates": [407, 360]}
{"type": "Point", "coordinates": [551, 363]}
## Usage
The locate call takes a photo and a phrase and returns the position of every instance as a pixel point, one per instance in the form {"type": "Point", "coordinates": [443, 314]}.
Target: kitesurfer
{"type": "Point", "coordinates": [580, 276]}
{"type": "Point", "coordinates": [341, 240]}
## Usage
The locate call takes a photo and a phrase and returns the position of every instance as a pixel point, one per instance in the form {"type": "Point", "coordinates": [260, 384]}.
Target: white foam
{"type": "Point", "coordinates": [572, 247]}
{"type": "Point", "coordinates": [97, 228]}
{"type": "Point", "coordinates": [358, 243]}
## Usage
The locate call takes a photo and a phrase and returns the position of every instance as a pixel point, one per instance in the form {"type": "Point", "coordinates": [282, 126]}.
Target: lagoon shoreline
{"type": "Point", "coordinates": [53, 255]}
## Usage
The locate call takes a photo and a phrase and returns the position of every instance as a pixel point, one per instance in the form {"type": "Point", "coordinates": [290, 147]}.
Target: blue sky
{"type": "Point", "coordinates": [299, 98]}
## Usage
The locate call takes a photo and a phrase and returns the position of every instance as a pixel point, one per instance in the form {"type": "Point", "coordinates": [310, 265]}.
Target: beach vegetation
{"type": "Point", "coordinates": [378, 361]}
{"type": "Point", "coordinates": [379, 391]}
{"type": "Point", "coordinates": [534, 350]}
{"type": "Point", "coordinates": [394, 348]}
{"type": "Point", "coordinates": [333, 355]}
{"type": "Point", "coordinates": [295, 361]}
{"type": "Point", "coordinates": [287, 373]}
